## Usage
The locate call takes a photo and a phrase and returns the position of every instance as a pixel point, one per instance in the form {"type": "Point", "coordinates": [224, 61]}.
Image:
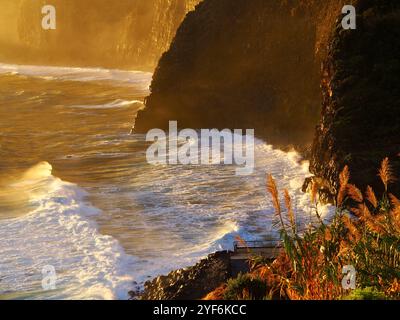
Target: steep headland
{"type": "Point", "coordinates": [245, 64]}
{"type": "Point", "coordinates": [272, 65]}
{"type": "Point", "coordinates": [112, 34]}
{"type": "Point", "coordinates": [360, 119]}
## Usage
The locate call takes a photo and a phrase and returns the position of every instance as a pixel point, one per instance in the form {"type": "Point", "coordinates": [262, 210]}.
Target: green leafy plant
{"type": "Point", "coordinates": [369, 293]}
{"type": "Point", "coordinates": [245, 287]}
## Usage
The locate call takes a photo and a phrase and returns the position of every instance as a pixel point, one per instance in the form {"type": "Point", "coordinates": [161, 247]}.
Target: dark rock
{"type": "Point", "coordinates": [325, 193]}
{"type": "Point", "coordinates": [259, 64]}
{"type": "Point", "coordinates": [245, 64]}
{"type": "Point", "coordinates": [190, 283]}
{"type": "Point", "coordinates": [360, 121]}
{"type": "Point", "coordinates": [135, 294]}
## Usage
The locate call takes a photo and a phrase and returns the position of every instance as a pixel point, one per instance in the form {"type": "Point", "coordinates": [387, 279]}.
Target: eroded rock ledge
{"type": "Point", "coordinates": [190, 283]}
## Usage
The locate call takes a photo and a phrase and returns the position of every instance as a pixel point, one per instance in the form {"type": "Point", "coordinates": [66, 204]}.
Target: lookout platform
{"type": "Point", "coordinates": [242, 252]}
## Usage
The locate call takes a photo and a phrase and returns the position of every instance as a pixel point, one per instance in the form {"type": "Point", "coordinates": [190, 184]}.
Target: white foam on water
{"type": "Point", "coordinates": [207, 207]}
{"type": "Point", "coordinates": [138, 79]}
{"type": "Point", "coordinates": [179, 213]}
{"type": "Point", "coordinates": [60, 232]}
{"type": "Point", "coordinates": [201, 209]}
{"type": "Point", "coordinates": [119, 103]}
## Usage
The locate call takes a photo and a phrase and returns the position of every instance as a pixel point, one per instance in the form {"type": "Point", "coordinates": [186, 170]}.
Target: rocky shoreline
{"type": "Point", "coordinates": [303, 80]}
{"type": "Point", "coordinates": [190, 283]}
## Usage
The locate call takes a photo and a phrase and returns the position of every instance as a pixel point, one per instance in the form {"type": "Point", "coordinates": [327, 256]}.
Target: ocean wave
{"type": "Point", "coordinates": [197, 210]}
{"type": "Point", "coordinates": [119, 103]}
{"type": "Point", "coordinates": [138, 79]}
{"type": "Point", "coordinates": [60, 232]}
{"type": "Point", "coordinates": [166, 217]}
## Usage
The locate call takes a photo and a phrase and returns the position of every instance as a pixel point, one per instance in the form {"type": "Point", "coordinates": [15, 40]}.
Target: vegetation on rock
{"type": "Point", "coordinates": [364, 233]}
{"type": "Point", "coordinates": [360, 115]}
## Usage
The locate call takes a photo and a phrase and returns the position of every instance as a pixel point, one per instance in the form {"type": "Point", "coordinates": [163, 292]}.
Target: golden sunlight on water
{"type": "Point", "coordinates": [77, 193]}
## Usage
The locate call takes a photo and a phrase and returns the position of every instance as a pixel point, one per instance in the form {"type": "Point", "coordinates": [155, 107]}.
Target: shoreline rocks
{"type": "Point", "coordinates": [190, 283]}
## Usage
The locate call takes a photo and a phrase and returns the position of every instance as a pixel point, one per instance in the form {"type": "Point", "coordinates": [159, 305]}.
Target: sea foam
{"type": "Point", "coordinates": [59, 232]}
{"type": "Point", "coordinates": [138, 79]}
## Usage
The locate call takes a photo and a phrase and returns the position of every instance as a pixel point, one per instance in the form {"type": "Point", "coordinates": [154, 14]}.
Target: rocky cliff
{"type": "Point", "coordinates": [245, 64]}
{"type": "Point", "coordinates": [262, 64]}
{"type": "Point", "coordinates": [360, 120]}
{"type": "Point", "coordinates": [124, 34]}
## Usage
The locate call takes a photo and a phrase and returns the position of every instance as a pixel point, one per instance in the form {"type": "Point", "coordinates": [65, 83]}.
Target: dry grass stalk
{"type": "Point", "coordinates": [371, 222]}
{"type": "Point", "coordinates": [344, 178]}
{"type": "Point", "coordinates": [394, 200]}
{"type": "Point", "coordinates": [354, 193]}
{"type": "Point", "coordinates": [314, 192]}
{"type": "Point", "coordinates": [395, 211]}
{"type": "Point", "coordinates": [371, 197]}
{"type": "Point", "coordinates": [288, 203]}
{"type": "Point", "coordinates": [385, 173]}
{"type": "Point", "coordinates": [353, 231]}
{"type": "Point", "coordinates": [273, 190]}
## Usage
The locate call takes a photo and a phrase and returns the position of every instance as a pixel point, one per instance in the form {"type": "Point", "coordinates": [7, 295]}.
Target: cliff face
{"type": "Point", "coordinates": [259, 64]}
{"type": "Point", "coordinates": [245, 64]}
{"type": "Point", "coordinates": [360, 122]}
{"type": "Point", "coordinates": [124, 33]}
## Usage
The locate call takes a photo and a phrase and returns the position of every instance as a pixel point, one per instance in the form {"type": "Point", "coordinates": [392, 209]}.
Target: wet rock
{"type": "Point", "coordinates": [325, 194]}
{"type": "Point", "coordinates": [190, 283]}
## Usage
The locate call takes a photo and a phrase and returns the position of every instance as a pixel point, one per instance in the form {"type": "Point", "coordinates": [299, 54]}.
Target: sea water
{"type": "Point", "coordinates": [76, 192]}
